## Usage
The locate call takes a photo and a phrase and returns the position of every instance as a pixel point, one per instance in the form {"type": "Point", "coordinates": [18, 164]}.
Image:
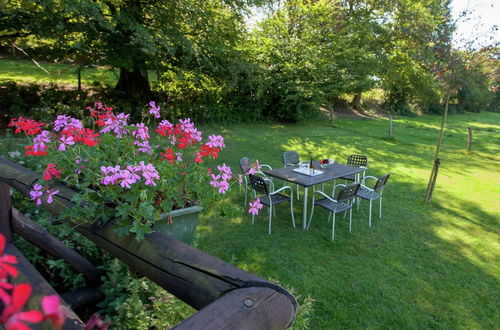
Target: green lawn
{"type": "Point", "coordinates": [421, 266]}
{"type": "Point", "coordinates": [25, 71]}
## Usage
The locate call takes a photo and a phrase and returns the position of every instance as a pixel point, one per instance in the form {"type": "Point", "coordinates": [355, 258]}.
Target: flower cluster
{"type": "Point", "coordinates": [39, 191]}
{"type": "Point", "coordinates": [221, 180]}
{"type": "Point", "coordinates": [134, 165]}
{"type": "Point", "coordinates": [15, 297]}
{"type": "Point", "coordinates": [255, 206]}
{"type": "Point", "coordinates": [128, 176]}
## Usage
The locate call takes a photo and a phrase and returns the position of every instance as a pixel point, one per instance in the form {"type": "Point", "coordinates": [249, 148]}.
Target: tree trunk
{"type": "Point", "coordinates": [356, 101]}
{"type": "Point", "coordinates": [437, 161]}
{"type": "Point", "coordinates": [135, 85]}
{"type": "Point", "coordinates": [79, 77]}
{"type": "Point", "coordinates": [331, 102]}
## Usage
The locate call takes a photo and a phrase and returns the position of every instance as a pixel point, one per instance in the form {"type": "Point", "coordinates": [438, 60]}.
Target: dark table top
{"type": "Point", "coordinates": [331, 172]}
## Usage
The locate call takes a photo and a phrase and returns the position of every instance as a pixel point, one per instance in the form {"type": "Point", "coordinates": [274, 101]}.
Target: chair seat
{"type": "Point", "coordinates": [335, 207]}
{"type": "Point", "coordinates": [350, 177]}
{"type": "Point", "coordinates": [275, 199]}
{"type": "Point", "coordinates": [368, 194]}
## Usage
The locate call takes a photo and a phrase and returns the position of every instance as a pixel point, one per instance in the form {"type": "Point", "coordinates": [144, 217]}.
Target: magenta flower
{"type": "Point", "coordinates": [225, 171]}
{"type": "Point", "coordinates": [63, 121]}
{"type": "Point", "coordinates": [65, 140]}
{"type": "Point", "coordinates": [154, 110]}
{"type": "Point", "coordinates": [142, 132]}
{"type": "Point", "coordinates": [49, 192]}
{"type": "Point", "coordinates": [149, 173]}
{"type": "Point", "coordinates": [36, 194]}
{"type": "Point", "coordinates": [116, 124]}
{"type": "Point", "coordinates": [216, 141]}
{"type": "Point", "coordinates": [188, 126]}
{"type": "Point", "coordinates": [255, 207]}
{"type": "Point", "coordinates": [223, 187]}
{"type": "Point", "coordinates": [126, 178]}
{"type": "Point", "coordinates": [111, 174]}
{"type": "Point", "coordinates": [40, 140]}
{"type": "Point", "coordinates": [143, 147]}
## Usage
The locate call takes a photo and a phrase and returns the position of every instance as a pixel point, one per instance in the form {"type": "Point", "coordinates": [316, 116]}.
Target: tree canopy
{"type": "Point", "coordinates": [305, 54]}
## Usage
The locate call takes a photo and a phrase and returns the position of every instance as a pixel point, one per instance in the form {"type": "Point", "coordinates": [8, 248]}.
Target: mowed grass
{"type": "Point", "coordinates": [25, 71]}
{"type": "Point", "coordinates": [420, 266]}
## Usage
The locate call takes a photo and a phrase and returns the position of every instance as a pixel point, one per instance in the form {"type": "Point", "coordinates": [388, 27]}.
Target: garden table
{"type": "Point", "coordinates": [330, 172]}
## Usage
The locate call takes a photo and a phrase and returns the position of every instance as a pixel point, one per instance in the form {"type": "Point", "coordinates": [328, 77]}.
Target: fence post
{"type": "Point", "coordinates": [469, 139]}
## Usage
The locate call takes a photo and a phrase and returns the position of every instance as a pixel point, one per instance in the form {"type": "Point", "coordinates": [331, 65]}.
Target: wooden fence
{"type": "Point", "coordinates": [225, 296]}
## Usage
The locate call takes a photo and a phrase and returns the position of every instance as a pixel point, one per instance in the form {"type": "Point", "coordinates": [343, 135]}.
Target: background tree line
{"type": "Point", "coordinates": [305, 55]}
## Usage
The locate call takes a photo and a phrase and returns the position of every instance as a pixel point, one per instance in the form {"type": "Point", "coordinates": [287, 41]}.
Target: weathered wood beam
{"type": "Point", "coordinates": [5, 212]}
{"type": "Point", "coordinates": [41, 238]}
{"type": "Point", "coordinates": [193, 276]}
{"type": "Point", "coordinates": [40, 289]}
{"type": "Point", "coordinates": [83, 297]}
{"type": "Point", "coordinates": [248, 308]}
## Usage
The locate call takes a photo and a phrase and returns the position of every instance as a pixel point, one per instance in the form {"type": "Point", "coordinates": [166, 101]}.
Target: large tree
{"type": "Point", "coordinates": [132, 36]}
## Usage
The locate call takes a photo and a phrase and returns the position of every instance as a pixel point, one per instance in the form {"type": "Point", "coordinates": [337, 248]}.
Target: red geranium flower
{"type": "Point", "coordinates": [6, 261]}
{"type": "Point", "coordinates": [29, 126]}
{"type": "Point", "coordinates": [50, 171]}
{"type": "Point", "coordinates": [12, 316]}
{"type": "Point", "coordinates": [29, 151]}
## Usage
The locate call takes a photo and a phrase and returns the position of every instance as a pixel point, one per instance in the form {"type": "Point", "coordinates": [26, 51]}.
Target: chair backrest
{"type": "Point", "coordinates": [357, 160]}
{"type": "Point", "coordinates": [348, 192]}
{"type": "Point", "coordinates": [259, 184]}
{"type": "Point", "coordinates": [381, 182]}
{"type": "Point", "coordinates": [245, 165]}
{"type": "Point", "coordinates": [290, 157]}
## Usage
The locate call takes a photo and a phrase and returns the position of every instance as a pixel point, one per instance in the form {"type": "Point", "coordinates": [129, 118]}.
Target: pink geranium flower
{"type": "Point", "coordinates": [255, 207]}
{"type": "Point", "coordinates": [53, 311]}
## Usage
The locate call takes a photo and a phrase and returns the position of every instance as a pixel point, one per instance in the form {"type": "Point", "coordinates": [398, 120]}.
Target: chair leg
{"type": "Point", "coordinates": [333, 226]}
{"type": "Point", "coordinates": [310, 218]}
{"type": "Point", "coordinates": [246, 193]}
{"type": "Point", "coordinates": [298, 195]}
{"type": "Point", "coordinates": [329, 216]}
{"type": "Point", "coordinates": [270, 217]}
{"type": "Point", "coordinates": [370, 215]}
{"type": "Point", "coordinates": [359, 203]}
{"type": "Point", "coordinates": [350, 219]}
{"type": "Point", "coordinates": [291, 211]}
{"type": "Point", "coordinates": [380, 208]}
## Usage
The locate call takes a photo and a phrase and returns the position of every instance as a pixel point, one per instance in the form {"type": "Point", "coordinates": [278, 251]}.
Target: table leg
{"type": "Point", "coordinates": [304, 210]}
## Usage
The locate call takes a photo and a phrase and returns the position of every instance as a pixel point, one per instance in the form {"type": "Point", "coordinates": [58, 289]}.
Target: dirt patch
{"type": "Point", "coordinates": [370, 109]}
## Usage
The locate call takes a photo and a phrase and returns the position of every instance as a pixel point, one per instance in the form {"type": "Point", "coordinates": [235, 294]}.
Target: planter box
{"type": "Point", "coordinates": [183, 226]}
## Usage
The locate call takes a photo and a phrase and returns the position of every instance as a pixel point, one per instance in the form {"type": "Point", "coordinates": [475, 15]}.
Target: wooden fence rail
{"type": "Point", "coordinates": [227, 296]}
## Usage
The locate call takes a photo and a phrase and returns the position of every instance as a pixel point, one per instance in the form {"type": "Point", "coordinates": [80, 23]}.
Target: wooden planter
{"type": "Point", "coordinates": [180, 224]}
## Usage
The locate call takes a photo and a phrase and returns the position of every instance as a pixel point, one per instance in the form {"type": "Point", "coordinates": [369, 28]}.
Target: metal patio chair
{"type": "Point", "coordinates": [245, 166]}
{"type": "Point", "coordinates": [270, 198]}
{"type": "Point", "coordinates": [358, 161]}
{"type": "Point", "coordinates": [343, 203]}
{"type": "Point", "coordinates": [371, 194]}
{"type": "Point", "coordinates": [291, 158]}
